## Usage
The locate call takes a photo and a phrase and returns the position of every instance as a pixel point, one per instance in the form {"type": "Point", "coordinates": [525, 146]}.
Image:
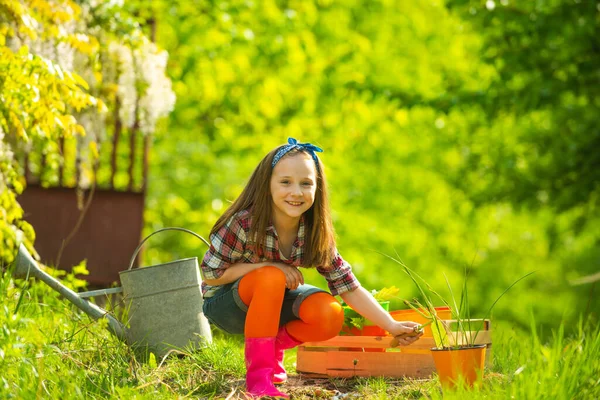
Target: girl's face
{"type": "Point", "coordinates": [293, 186]}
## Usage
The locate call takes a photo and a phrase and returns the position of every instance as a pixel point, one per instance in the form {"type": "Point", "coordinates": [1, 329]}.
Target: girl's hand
{"type": "Point", "coordinates": [293, 276]}
{"type": "Point", "coordinates": [405, 332]}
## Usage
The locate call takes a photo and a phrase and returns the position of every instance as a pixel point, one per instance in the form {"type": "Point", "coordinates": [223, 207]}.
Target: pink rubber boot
{"type": "Point", "coordinates": [283, 341]}
{"type": "Point", "coordinates": [260, 362]}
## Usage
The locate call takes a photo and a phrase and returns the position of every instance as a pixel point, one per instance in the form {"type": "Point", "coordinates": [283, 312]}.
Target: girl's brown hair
{"type": "Point", "coordinates": [256, 197]}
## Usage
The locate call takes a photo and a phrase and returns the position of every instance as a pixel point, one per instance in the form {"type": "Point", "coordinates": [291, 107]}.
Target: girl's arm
{"type": "Point", "coordinates": [233, 273]}
{"type": "Point", "coordinates": [363, 303]}
{"type": "Point", "coordinates": [293, 277]}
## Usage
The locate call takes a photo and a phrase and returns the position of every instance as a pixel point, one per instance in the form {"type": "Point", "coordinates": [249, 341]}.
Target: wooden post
{"type": "Point", "coordinates": [152, 22]}
{"type": "Point", "coordinates": [77, 164]}
{"type": "Point", "coordinates": [61, 150]}
{"type": "Point", "coordinates": [42, 166]}
{"type": "Point", "coordinates": [116, 135]}
{"type": "Point", "coordinates": [27, 172]}
{"type": "Point", "coordinates": [132, 135]}
{"type": "Point", "coordinates": [145, 161]}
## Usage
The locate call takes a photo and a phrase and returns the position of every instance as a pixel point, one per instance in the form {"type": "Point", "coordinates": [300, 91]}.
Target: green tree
{"type": "Point", "coordinates": [541, 107]}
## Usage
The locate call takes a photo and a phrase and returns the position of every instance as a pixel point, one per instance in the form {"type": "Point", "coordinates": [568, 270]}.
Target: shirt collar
{"type": "Point", "coordinates": [301, 231]}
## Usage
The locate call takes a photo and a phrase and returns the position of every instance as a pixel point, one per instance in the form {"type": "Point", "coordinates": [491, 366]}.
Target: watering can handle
{"type": "Point", "coordinates": [137, 249]}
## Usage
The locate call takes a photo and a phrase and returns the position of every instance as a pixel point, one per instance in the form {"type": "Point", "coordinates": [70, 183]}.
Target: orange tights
{"type": "Point", "coordinates": [262, 290]}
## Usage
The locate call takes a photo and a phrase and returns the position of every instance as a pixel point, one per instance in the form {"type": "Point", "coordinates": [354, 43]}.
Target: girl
{"type": "Point", "coordinates": [252, 283]}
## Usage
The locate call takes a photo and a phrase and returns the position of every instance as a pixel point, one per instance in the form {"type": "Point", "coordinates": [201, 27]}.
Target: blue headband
{"type": "Point", "coordinates": [294, 144]}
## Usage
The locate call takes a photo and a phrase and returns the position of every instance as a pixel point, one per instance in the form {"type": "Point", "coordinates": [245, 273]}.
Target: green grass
{"type": "Point", "coordinates": [49, 349]}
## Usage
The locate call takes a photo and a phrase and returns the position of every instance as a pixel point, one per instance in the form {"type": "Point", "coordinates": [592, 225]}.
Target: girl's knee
{"type": "Point", "coordinates": [322, 308]}
{"type": "Point", "coordinates": [321, 318]}
{"type": "Point", "coordinates": [270, 275]}
{"type": "Point", "coordinates": [267, 281]}
{"type": "Point", "coordinates": [264, 278]}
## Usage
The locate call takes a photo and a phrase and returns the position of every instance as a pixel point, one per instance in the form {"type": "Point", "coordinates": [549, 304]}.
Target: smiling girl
{"type": "Point", "coordinates": [252, 284]}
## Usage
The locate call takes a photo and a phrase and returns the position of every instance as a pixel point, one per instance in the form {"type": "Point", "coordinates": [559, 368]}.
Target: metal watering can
{"type": "Point", "coordinates": [164, 300]}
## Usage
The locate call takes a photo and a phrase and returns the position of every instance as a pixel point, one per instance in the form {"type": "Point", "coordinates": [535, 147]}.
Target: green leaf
{"type": "Point", "coordinates": [81, 269]}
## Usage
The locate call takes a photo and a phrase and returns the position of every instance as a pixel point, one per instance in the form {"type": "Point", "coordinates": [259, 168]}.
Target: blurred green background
{"type": "Point", "coordinates": [457, 134]}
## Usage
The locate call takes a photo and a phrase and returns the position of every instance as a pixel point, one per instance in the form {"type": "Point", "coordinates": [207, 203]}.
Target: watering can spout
{"type": "Point", "coordinates": [26, 266]}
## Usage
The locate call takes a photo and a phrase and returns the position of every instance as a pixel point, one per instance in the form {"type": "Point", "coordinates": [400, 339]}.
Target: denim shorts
{"type": "Point", "coordinates": [226, 310]}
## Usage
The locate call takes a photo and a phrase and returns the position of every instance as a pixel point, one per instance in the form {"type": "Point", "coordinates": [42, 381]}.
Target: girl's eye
{"type": "Point", "coordinates": [285, 182]}
{"type": "Point", "coordinates": [307, 183]}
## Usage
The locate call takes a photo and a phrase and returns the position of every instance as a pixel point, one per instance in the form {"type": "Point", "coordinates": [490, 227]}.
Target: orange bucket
{"type": "Point", "coordinates": [412, 315]}
{"type": "Point", "coordinates": [454, 365]}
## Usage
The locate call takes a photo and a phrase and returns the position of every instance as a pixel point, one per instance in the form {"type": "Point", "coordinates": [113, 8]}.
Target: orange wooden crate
{"type": "Point", "coordinates": [332, 358]}
{"type": "Point", "coordinates": [338, 357]}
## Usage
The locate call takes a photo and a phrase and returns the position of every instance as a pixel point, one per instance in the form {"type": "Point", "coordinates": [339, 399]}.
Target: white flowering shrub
{"type": "Point", "coordinates": [71, 75]}
{"type": "Point", "coordinates": [122, 57]}
{"type": "Point", "coordinates": [158, 98]}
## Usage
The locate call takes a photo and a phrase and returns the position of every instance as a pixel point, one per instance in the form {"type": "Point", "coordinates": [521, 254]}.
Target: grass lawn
{"type": "Point", "coordinates": [50, 350]}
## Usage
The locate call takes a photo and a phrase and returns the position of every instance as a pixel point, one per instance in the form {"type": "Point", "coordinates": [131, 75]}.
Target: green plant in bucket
{"type": "Point", "coordinates": [457, 355]}
{"type": "Point", "coordinates": [461, 309]}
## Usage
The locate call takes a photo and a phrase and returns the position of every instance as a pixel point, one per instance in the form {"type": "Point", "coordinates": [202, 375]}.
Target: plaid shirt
{"type": "Point", "coordinates": [228, 246]}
